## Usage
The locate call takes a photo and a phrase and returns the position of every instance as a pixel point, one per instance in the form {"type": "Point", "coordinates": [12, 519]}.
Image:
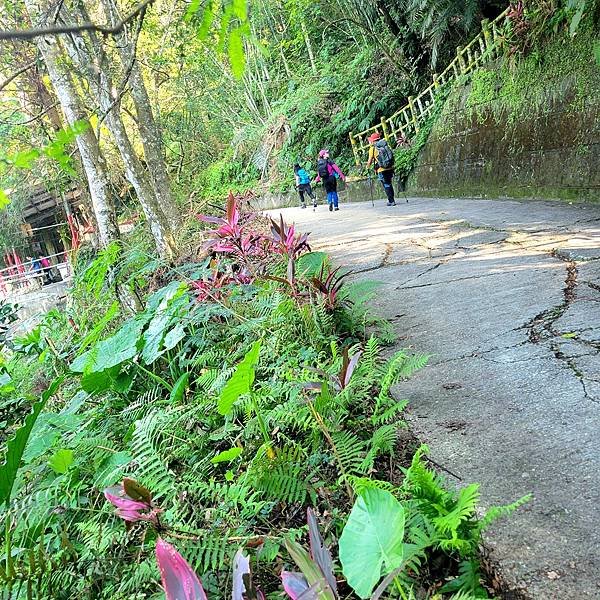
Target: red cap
{"type": "Point", "coordinates": [374, 137]}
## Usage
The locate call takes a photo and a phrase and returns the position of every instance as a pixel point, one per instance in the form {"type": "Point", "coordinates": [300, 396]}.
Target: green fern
{"type": "Point", "coordinates": [152, 471]}
{"type": "Point", "coordinates": [462, 508]}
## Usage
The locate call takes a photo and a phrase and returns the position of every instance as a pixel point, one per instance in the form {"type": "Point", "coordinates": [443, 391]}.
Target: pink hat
{"type": "Point", "coordinates": [374, 137]}
{"type": "Point", "coordinates": [323, 153]}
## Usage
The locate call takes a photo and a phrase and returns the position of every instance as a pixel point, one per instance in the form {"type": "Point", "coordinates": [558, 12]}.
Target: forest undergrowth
{"type": "Point", "coordinates": [250, 387]}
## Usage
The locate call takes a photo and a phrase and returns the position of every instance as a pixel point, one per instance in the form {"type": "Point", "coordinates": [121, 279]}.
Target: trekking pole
{"type": "Point", "coordinates": [398, 183]}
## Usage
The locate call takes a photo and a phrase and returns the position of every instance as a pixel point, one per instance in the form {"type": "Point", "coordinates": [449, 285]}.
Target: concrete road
{"type": "Point", "coordinates": [505, 296]}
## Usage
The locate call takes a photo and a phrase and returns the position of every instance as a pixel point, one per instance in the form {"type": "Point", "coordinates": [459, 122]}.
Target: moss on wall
{"type": "Point", "coordinates": [521, 128]}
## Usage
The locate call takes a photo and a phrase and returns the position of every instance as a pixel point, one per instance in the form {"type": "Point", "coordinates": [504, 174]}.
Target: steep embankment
{"type": "Point", "coordinates": [522, 128]}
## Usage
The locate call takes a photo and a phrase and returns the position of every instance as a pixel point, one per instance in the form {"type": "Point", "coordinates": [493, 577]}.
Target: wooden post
{"type": "Point", "coordinates": [470, 60]}
{"type": "Point", "coordinates": [354, 149]}
{"type": "Point", "coordinates": [487, 35]}
{"type": "Point", "coordinates": [461, 60]}
{"type": "Point", "coordinates": [413, 113]}
{"type": "Point", "coordinates": [386, 131]}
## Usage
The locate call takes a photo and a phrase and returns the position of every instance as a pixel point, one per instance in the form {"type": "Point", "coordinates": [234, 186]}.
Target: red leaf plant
{"type": "Point", "coordinates": [133, 502]}
{"type": "Point", "coordinates": [329, 286]}
{"type": "Point", "coordinates": [179, 580]}
{"type": "Point", "coordinates": [340, 380]}
{"type": "Point", "coordinates": [285, 240]}
{"type": "Point", "coordinates": [316, 580]}
{"type": "Point", "coordinates": [230, 236]}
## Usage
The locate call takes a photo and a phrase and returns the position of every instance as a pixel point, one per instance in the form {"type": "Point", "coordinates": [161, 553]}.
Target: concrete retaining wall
{"type": "Point", "coordinates": [553, 152]}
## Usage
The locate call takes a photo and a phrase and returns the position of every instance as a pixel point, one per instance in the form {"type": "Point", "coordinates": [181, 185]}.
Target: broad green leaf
{"type": "Point", "coordinates": [16, 445]}
{"type": "Point", "coordinates": [61, 460]}
{"type": "Point", "coordinates": [371, 544]}
{"type": "Point", "coordinates": [4, 199]}
{"type": "Point", "coordinates": [226, 455]}
{"type": "Point", "coordinates": [235, 51]}
{"type": "Point", "coordinates": [240, 382]}
{"type": "Point", "coordinates": [170, 305]}
{"type": "Point", "coordinates": [100, 381]}
{"type": "Point", "coordinates": [208, 18]}
{"type": "Point", "coordinates": [173, 337]}
{"type": "Point", "coordinates": [25, 158]}
{"type": "Point", "coordinates": [576, 18]}
{"type": "Point", "coordinates": [179, 388]}
{"type": "Point", "coordinates": [112, 351]}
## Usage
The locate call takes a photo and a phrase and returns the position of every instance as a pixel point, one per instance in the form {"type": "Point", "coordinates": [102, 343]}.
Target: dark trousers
{"type": "Point", "coordinates": [386, 178]}
{"type": "Point", "coordinates": [304, 188]}
{"type": "Point", "coordinates": [330, 185]}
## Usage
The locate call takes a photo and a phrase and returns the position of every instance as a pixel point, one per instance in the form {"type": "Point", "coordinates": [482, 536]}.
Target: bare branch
{"type": "Point", "coordinates": [29, 34]}
{"type": "Point", "coordinates": [16, 74]}
{"type": "Point", "coordinates": [34, 117]}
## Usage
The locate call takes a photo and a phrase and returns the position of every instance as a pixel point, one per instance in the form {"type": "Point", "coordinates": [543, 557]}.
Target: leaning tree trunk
{"type": "Point", "coordinates": [87, 142]}
{"type": "Point", "coordinates": [90, 61]}
{"type": "Point", "coordinates": [150, 133]}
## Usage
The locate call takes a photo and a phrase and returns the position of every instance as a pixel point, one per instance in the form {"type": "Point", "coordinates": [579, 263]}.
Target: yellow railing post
{"type": "Point", "coordinates": [413, 113]}
{"type": "Point", "coordinates": [385, 128]}
{"type": "Point", "coordinates": [436, 81]}
{"type": "Point", "coordinates": [354, 149]}
{"type": "Point", "coordinates": [487, 35]}
{"type": "Point", "coordinates": [461, 60]}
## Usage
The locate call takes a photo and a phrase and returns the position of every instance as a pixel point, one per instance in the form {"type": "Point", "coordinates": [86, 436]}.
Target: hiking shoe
{"type": "Point", "coordinates": [337, 208]}
{"type": "Point", "coordinates": [391, 204]}
{"type": "Point", "coordinates": [303, 206]}
{"type": "Point", "coordinates": [314, 205]}
{"type": "Point", "coordinates": [330, 207]}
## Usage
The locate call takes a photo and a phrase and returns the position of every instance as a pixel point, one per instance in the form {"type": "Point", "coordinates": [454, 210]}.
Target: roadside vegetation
{"type": "Point", "coordinates": [251, 386]}
{"type": "Point", "coordinates": [211, 414]}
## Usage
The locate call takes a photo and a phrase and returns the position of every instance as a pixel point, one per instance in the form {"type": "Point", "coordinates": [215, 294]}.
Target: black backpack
{"type": "Point", "coordinates": [385, 156]}
{"type": "Point", "coordinates": [323, 168]}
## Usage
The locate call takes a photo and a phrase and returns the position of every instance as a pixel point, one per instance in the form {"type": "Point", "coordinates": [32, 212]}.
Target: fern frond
{"type": "Point", "coordinates": [349, 452]}
{"type": "Point", "coordinates": [152, 470]}
{"type": "Point", "coordinates": [464, 508]}
{"type": "Point", "coordinates": [498, 512]}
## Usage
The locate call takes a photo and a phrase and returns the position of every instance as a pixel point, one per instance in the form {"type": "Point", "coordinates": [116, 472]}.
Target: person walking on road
{"type": "Point", "coordinates": [382, 156]}
{"type": "Point", "coordinates": [328, 172]}
{"type": "Point", "coordinates": [303, 186]}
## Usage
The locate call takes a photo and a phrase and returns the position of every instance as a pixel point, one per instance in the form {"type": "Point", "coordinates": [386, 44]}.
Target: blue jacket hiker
{"type": "Point", "coordinates": [303, 185]}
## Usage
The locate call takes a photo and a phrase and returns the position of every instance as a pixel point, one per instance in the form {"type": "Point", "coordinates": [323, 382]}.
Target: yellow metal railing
{"type": "Point", "coordinates": [481, 49]}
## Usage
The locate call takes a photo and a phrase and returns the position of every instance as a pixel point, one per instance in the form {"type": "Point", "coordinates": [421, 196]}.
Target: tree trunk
{"type": "Point", "coordinates": [90, 62]}
{"type": "Point", "coordinates": [150, 133]}
{"type": "Point", "coordinates": [309, 48]}
{"type": "Point", "coordinates": [87, 142]}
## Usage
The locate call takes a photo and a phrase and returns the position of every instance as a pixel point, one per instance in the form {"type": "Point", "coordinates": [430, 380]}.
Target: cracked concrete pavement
{"type": "Point", "coordinates": [505, 296]}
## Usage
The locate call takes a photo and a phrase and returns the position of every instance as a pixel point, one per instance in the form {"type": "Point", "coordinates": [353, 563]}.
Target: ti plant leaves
{"type": "Point", "coordinates": [317, 580]}
{"type": "Point", "coordinates": [179, 580]}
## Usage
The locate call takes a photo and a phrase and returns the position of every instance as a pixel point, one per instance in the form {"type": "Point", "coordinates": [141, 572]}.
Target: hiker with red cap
{"type": "Point", "coordinates": [381, 154]}
{"type": "Point", "coordinates": [328, 172]}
